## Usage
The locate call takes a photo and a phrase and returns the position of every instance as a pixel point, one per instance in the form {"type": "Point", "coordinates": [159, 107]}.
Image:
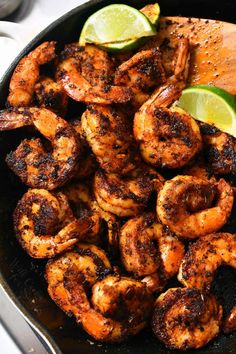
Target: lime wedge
{"type": "Point", "coordinates": [152, 12]}
{"type": "Point", "coordinates": [116, 27]}
{"type": "Point", "coordinates": [210, 105]}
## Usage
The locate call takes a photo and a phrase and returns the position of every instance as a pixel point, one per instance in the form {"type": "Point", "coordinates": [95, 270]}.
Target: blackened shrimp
{"type": "Point", "coordinates": [35, 166]}
{"type": "Point", "coordinates": [86, 75]}
{"type": "Point", "coordinates": [142, 73]}
{"type": "Point", "coordinates": [45, 225]}
{"type": "Point", "coordinates": [203, 258]}
{"type": "Point", "coordinates": [110, 138]}
{"type": "Point", "coordinates": [87, 267]}
{"type": "Point", "coordinates": [49, 94]}
{"type": "Point", "coordinates": [220, 150]}
{"type": "Point", "coordinates": [168, 137]}
{"type": "Point", "coordinates": [149, 250]}
{"type": "Point", "coordinates": [26, 74]}
{"type": "Point", "coordinates": [129, 195]}
{"type": "Point", "coordinates": [192, 207]}
{"type": "Point", "coordinates": [88, 262]}
{"type": "Point", "coordinates": [186, 318]}
{"type": "Point", "coordinates": [124, 302]}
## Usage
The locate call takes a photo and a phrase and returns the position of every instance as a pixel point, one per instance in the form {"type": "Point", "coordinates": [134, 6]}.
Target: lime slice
{"type": "Point", "coordinates": [210, 105]}
{"type": "Point", "coordinates": [116, 27]}
{"type": "Point", "coordinates": [152, 12]}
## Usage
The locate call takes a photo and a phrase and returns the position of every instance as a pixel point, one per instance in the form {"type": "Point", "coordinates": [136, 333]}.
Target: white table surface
{"type": "Point", "coordinates": [7, 344]}
{"type": "Point", "coordinates": [13, 38]}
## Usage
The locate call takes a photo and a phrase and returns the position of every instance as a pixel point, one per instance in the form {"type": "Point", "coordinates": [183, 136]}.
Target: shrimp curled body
{"type": "Point", "coordinates": [87, 267]}
{"type": "Point", "coordinates": [202, 260]}
{"type": "Point", "coordinates": [220, 150]}
{"type": "Point", "coordinates": [183, 205]}
{"type": "Point", "coordinates": [186, 318]}
{"type": "Point", "coordinates": [45, 225]}
{"type": "Point", "coordinates": [141, 73]}
{"type": "Point", "coordinates": [35, 166]}
{"type": "Point", "coordinates": [26, 74]}
{"type": "Point", "coordinates": [149, 250]}
{"type": "Point", "coordinates": [109, 138]}
{"type": "Point", "coordinates": [168, 136]}
{"type": "Point", "coordinates": [126, 196]}
{"type": "Point", "coordinates": [85, 74]}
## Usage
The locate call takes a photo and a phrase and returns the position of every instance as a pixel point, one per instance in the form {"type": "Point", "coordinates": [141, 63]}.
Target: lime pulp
{"type": "Point", "coordinates": [116, 27]}
{"type": "Point", "coordinates": [211, 105]}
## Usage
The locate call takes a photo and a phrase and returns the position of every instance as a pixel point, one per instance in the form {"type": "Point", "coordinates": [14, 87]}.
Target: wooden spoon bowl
{"type": "Point", "coordinates": [213, 49]}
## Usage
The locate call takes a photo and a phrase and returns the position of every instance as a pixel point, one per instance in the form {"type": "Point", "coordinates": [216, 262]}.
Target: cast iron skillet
{"type": "Point", "coordinates": [22, 277]}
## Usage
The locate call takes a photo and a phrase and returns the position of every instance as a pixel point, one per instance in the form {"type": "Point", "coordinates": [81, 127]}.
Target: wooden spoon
{"type": "Point", "coordinates": [213, 49]}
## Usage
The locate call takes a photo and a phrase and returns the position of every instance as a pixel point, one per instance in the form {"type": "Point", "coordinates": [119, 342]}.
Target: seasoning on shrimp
{"type": "Point", "coordinates": [150, 251]}
{"type": "Point", "coordinates": [188, 207]}
{"type": "Point", "coordinates": [186, 318]}
{"type": "Point", "coordinates": [87, 267]}
{"type": "Point", "coordinates": [141, 73]}
{"type": "Point", "coordinates": [128, 195]}
{"type": "Point", "coordinates": [49, 94]}
{"type": "Point", "coordinates": [45, 225]}
{"type": "Point", "coordinates": [168, 137]}
{"type": "Point", "coordinates": [85, 74]}
{"type": "Point", "coordinates": [220, 150]}
{"type": "Point", "coordinates": [26, 74]}
{"type": "Point", "coordinates": [110, 138]}
{"type": "Point", "coordinates": [203, 258]}
{"type": "Point", "coordinates": [35, 166]}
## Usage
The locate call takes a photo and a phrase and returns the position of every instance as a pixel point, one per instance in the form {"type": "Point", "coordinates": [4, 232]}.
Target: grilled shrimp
{"type": "Point", "coordinates": [110, 138]}
{"type": "Point", "coordinates": [204, 257]}
{"type": "Point", "coordinates": [187, 205]}
{"type": "Point", "coordinates": [220, 150]}
{"type": "Point", "coordinates": [129, 195]}
{"type": "Point", "coordinates": [80, 193]}
{"type": "Point", "coordinates": [149, 249]}
{"type": "Point", "coordinates": [168, 137]}
{"type": "Point", "coordinates": [88, 263]}
{"type": "Point", "coordinates": [35, 166]}
{"type": "Point", "coordinates": [201, 262]}
{"type": "Point", "coordinates": [186, 318]}
{"type": "Point", "coordinates": [49, 94]}
{"type": "Point", "coordinates": [45, 225]}
{"type": "Point", "coordinates": [86, 75]}
{"type": "Point", "coordinates": [119, 306]}
{"type": "Point", "coordinates": [26, 74]}
{"type": "Point", "coordinates": [142, 72]}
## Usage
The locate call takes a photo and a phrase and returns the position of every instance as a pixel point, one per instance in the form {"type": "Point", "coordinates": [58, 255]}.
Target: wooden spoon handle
{"type": "Point", "coordinates": [213, 49]}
